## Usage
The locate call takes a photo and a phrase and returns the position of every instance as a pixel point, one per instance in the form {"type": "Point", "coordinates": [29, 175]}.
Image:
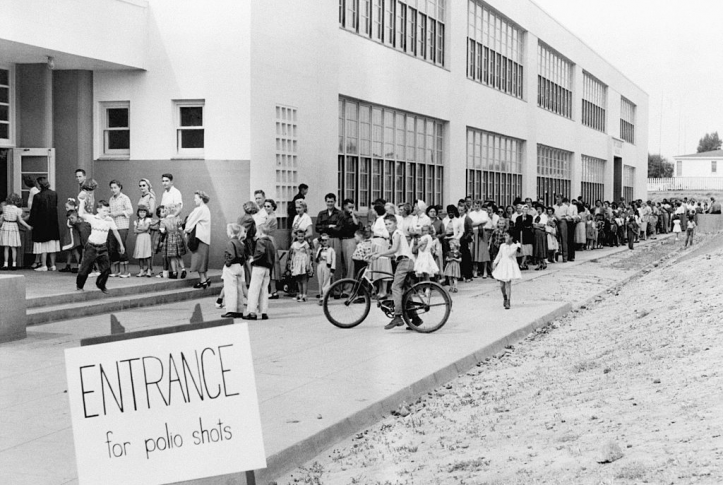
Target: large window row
{"type": "Point", "coordinates": [553, 173]}
{"type": "Point", "coordinates": [390, 154]}
{"type": "Point", "coordinates": [494, 50]}
{"type": "Point", "coordinates": [412, 26]}
{"type": "Point", "coordinates": [594, 102]}
{"type": "Point", "coordinates": [5, 106]}
{"type": "Point", "coordinates": [554, 81]}
{"type": "Point", "coordinates": [627, 120]}
{"type": "Point", "coordinates": [494, 166]}
{"type": "Point", "coordinates": [503, 188]}
{"type": "Point", "coordinates": [628, 183]}
{"type": "Point", "coordinates": [593, 179]}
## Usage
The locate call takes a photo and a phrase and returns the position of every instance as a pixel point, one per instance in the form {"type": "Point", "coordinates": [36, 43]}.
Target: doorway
{"type": "Point", "coordinates": [32, 163]}
{"type": "Point", "coordinates": [618, 179]}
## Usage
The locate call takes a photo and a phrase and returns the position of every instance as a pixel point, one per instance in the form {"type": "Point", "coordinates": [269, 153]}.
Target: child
{"type": "Point", "coordinates": [425, 266]}
{"type": "Point", "coordinates": [299, 263]}
{"type": "Point", "coordinates": [613, 233]}
{"type": "Point", "coordinates": [363, 251]}
{"type": "Point", "coordinates": [143, 251]}
{"type": "Point", "coordinates": [599, 231]}
{"type": "Point", "coordinates": [172, 246]}
{"type": "Point", "coordinates": [233, 271]}
{"type": "Point", "coordinates": [453, 258]}
{"type": "Point", "coordinates": [506, 269]}
{"type": "Point", "coordinates": [263, 260]}
{"type": "Point", "coordinates": [590, 234]}
{"type": "Point", "coordinates": [689, 231]}
{"type": "Point", "coordinates": [676, 225]}
{"type": "Point", "coordinates": [77, 236]}
{"type": "Point", "coordinates": [96, 249]}
{"type": "Point", "coordinates": [325, 265]}
{"type": "Point", "coordinates": [9, 232]}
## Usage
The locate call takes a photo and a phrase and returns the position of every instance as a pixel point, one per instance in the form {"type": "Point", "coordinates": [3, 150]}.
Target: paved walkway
{"type": "Point", "coordinates": [316, 383]}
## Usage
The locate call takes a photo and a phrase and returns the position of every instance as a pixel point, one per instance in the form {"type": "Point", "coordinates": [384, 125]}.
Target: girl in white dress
{"type": "Point", "coordinates": [143, 249]}
{"type": "Point", "coordinates": [11, 216]}
{"type": "Point", "coordinates": [505, 268]}
{"type": "Point", "coordinates": [425, 266]}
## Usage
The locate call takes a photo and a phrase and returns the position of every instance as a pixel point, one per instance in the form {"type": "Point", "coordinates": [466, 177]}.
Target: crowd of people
{"type": "Point", "coordinates": [457, 242]}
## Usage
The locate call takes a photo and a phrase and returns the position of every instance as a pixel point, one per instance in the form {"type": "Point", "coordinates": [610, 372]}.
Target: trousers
{"type": "Point", "coordinates": [404, 267]}
{"type": "Point", "coordinates": [259, 289]}
{"type": "Point", "coordinates": [233, 287]}
{"type": "Point", "coordinates": [98, 254]}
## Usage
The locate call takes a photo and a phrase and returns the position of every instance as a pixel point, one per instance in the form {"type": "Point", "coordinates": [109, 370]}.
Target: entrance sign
{"type": "Point", "coordinates": [166, 408]}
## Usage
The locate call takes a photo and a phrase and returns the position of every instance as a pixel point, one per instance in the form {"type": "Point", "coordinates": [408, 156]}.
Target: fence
{"type": "Point", "coordinates": [686, 183]}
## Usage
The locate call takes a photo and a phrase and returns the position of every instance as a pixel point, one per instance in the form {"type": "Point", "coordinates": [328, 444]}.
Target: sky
{"type": "Point", "coordinates": [672, 49]}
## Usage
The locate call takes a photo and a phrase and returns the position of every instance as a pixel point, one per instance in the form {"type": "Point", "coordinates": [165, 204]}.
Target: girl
{"type": "Point", "coordinates": [299, 262]}
{"type": "Point", "coordinates": [689, 231]}
{"type": "Point", "coordinates": [234, 281]}
{"type": "Point", "coordinates": [505, 268]}
{"type": "Point", "coordinates": [551, 232]}
{"type": "Point", "coordinates": [452, 270]}
{"type": "Point", "coordinates": [363, 250]}
{"type": "Point", "coordinates": [425, 266]}
{"type": "Point", "coordinates": [325, 265]}
{"type": "Point", "coordinates": [591, 234]}
{"type": "Point", "coordinates": [676, 225]}
{"type": "Point", "coordinates": [9, 232]}
{"type": "Point", "coordinates": [172, 246]}
{"type": "Point", "coordinates": [142, 230]}
{"type": "Point", "coordinates": [599, 231]}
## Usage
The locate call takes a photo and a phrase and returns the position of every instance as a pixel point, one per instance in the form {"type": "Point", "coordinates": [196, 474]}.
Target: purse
{"type": "Point", "coordinates": [193, 241]}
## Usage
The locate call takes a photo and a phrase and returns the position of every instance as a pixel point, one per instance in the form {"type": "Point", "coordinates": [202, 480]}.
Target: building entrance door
{"type": "Point", "coordinates": [618, 179]}
{"type": "Point", "coordinates": [32, 163]}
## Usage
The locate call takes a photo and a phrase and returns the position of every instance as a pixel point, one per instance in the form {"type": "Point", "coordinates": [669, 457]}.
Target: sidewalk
{"type": "Point", "coordinates": [316, 383]}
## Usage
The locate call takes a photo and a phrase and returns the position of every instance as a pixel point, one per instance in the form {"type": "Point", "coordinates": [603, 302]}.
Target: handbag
{"type": "Point", "coordinates": [193, 241]}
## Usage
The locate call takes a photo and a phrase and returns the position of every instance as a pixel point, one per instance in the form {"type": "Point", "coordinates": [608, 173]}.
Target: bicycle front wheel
{"type": "Point", "coordinates": [427, 306]}
{"type": "Point", "coordinates": [347, 303]}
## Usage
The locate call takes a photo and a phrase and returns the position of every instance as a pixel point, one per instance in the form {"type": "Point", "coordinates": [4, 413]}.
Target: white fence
{"type": "Point", "coordinates": [685, 183]}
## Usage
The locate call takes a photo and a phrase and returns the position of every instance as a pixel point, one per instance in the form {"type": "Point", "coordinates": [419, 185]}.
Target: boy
{"type": "Point", "coordinates": [402, 254]}
{"type": "Point", "coordinates": [325, 260]}
{"type": "Point", "coordinates": [96, 249]}
{"type": "Point", "coordinates": [261, 264]}
{"type": "Point", "coordinates": [233, 271]}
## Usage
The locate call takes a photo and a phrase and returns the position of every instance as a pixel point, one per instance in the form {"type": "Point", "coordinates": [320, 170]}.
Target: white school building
{"type": "Point", "coordinates": [398, 99]}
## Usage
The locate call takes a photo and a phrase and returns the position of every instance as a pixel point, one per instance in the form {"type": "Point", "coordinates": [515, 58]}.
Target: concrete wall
{"type": "Point", "coordinates": [709, 223]}
{"type": "Point", "coordinates": [12, 302]}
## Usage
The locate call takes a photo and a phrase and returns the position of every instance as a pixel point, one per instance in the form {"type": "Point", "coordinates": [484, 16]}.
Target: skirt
{"type": "Point", "coordinates": [425, 264]}
{"type": "Point", "coordinates": [46, 247]}
{"type": "Point", "coordinates": [379, 244]}
{"type": "Point", "coordinates": [199, 258]}
{"type": "Point", "coordinates": [452, 270]}
{"type": "Point", "coordinates": [506, 270]}
{"type": "Point", "coordinates": [580, 233]}
{"type": "Point", "coordinates": [114, 247]}
{"type": "Point", "coordinates": [10, 234]}
{"type": "Point", "coordinates": [276, 273]}
{"type": "Point", "coordinates": [540, 244]}
{"type": "Point", "coordinates": [173, 245]}
{"type": "Point", "coordinates": [480, 246]}
{"type": "Point", "coordinates": [143, 246]}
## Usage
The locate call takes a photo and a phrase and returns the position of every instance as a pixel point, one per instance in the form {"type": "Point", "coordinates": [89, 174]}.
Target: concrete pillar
{"type": "Point", "coordinates": [13, 316]}
{"type": "Point", "coordinates": [34, 85]}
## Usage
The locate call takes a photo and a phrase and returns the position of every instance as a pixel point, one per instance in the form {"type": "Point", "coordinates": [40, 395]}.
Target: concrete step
{"type": "Point", "coordinates": [117, 301]}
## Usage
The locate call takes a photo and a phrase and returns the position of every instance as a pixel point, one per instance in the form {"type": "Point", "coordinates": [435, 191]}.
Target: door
{"type": "Point", "coordinates": [618, 179]}
{"type": "Point", "coordinates": [32, 163]}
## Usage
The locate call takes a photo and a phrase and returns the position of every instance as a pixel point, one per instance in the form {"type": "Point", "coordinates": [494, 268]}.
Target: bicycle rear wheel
{"type": "Point", "coordinates": [426, 307]}
{"type": "Point", "coordinates": [350, 311]}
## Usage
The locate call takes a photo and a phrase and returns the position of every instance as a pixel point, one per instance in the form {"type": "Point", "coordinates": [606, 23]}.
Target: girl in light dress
{"type": "Point", "coordinates": [12, 215]}
{"type": "Point", "coordinates": [452, 270]}
{"type": "Point", "coordinates": [425, 266]}
{"type": "Point", "coordinates": [143, 249]}
{"type": "Point", "coordinates": [505, 268]}
{"type": "Point", "coordinates": [299, 262]}
{"type": "Point", "coordinates": [676, 226]}
{"type": "Point", "coordinates": [172, 247]}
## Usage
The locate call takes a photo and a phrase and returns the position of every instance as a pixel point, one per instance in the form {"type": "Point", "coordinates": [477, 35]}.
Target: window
{"type": "Point", "coordinates": [679, 168]}
{"type": "Point", "coordinates": [494, 49]}
{"type": "Point", "coordinates": [494, 166]}
{"type": "Point", "coordinates": [593, 179]}
{"type": "Point", "coordinates": [627, 120]}
{"type": "Point", "coordinates": [628, 183]}
{"type": "Point", "coordinates": [388, 153]}
{"type": "Point", "coordinates": [553, 173]}
{"type": "Point", "coordinates": [116, 129]}
{"type": "Point", "coordinates": [189, 128]}
{"type": "Point", "coordinates": [713, 166]}
{"type": "Point", "coordinates": [415, 27]}
{"type": "Point", "coordinates": [287, 161]}
{"type": "Point", "coordinates": [554, 81]}
{"type": "Point", "coordinates": [6, 98]}
{"type": "Point", "coordinates": [594, 102]}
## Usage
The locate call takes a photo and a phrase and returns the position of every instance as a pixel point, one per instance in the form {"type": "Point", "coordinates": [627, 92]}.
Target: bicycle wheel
{"type": "Point", "coordinates": [350, 311]}
{"type": "Point", "coordinates": [426, 307]}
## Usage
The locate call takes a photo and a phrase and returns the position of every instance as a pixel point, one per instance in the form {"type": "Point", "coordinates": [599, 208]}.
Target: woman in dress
{"type": "Point", "coordinates": [200, 219]}
{"type": "Point", "coordinates": [302, 220]}
{"type": "Point", "coordinates": [505, 267]}
{"type": "Point", "coordinates": [581, 225]}
{"type": "Point", "coordinates": [539, 225]}
{"type": "Point", "coordinates": [439, 233]}
{"type": "Point", "coordinates": [464, 241]}
{"type": "Point", "coordinates": [44, 221]}
{"type": "Point", "coordinates": [551, 231]}
{"type": "Point", "coordinates": [148, 200]}
{"type": "Point", "coordinates": [479, 247]}
{"type": "Point", "coordinates": [272, 225]}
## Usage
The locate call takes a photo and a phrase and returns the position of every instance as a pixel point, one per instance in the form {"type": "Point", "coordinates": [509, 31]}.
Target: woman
{"type": "Point", "coordinates": [539, 225]}
{"type": "Point", "coordinates": [464, 241]}
{"type": "Point", "coordinates": [407, 226]}
{"type": "Point", "coordinates": [302, 221]}
{"type": "Point", "coordinates": [272, 225]}
{"type": "Point", "coordinates": [453, 227]}
{"type": "Point", "coordinates": [551, 231]}
{"type": "Point", "coordinates": [200, 219]}
{"type": "Point", "coordinates": [438, 226]}
{"type": "Point", "coordinates": [581, 225]}
{"type": "Point", "coordinates": [380, 244]}
{"type": "Point", "coordinates": [392, 209]}
{"type": "Point", "coordinates": [31, 184]}
{"type": "Point", "coordinates": [479, 247]}
{"type": "Point", "coordinates": [121, 210]}
{"type": "Point", "coordinates": [523, 231]}
{"type": "Point", "coordinates": [148, 199]}
{"type": "Point", "coordinates": [44, 221]}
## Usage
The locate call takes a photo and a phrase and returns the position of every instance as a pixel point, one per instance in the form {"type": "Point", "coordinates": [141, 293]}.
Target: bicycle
{"type": "Point", "coordinates": [426, 304]}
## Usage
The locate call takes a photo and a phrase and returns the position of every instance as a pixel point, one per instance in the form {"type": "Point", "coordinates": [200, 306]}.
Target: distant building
{"type": "Point", "coordinates": [705, 164]}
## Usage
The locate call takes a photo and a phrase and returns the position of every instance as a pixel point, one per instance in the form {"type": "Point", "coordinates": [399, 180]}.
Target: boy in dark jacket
{"type": "Point", "coordinates": [234, 283]}
{"type": "Point", "coordinates": [263, 260]}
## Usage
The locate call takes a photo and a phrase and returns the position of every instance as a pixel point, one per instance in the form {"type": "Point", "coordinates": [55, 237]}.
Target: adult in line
{"type": "Point", "coordinates": [407, 227]}
{"type": "Point", "coordinates": [96, 248]}
{"type": "Point", "coordinates": [439, 231]}
{"type": "Point", "coordinates": [328, 221]}
{"type": "Point", "coordinates": [464, 242]}
{"type": "Point", "coordinates": [121, 210]}
{"type": "Point", "coordinates": [301, 195]}
{"type": "Point", "coordinates": [172, 200]}
{"type": "Point", "coordinates": [248, 222]}
{"type": "Point", "coordinates": [148, 199]}
{"type": "Point", "coordinates": [272, 224]}
{"type": "Point", "coordinates": [539, 225]}
{"type": "Point", "coordinates": [348, 225]}
{"type": "Point", "coordinates": [31, 184]}
{"type": "Point", "coordinates": [261, 215]}
{"type": "Point", "coordinates": [44, 221]}
{"type": "Point", "coordinates": [479, 246]}
{"type": "Point", "coordinates": [453, 228]}
{"type": "Point", "coordinates": [302, 221]}
{"type": "Point", "coordinates": [200, 219]}
{"type": "Point", "coordinates": [715, 207]}
{"type": "Point", "coordinates": [82, 178]}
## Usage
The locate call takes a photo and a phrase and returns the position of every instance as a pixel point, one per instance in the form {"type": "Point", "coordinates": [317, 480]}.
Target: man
{"type": "Point", "coordinates": [348, 225]}
{"type": "Point", "coordinates": [328, 222]}
{"type": "Point", "coordinates": [565, 215]}
{"type": "Point", "coordinates": [291, 209]}
{"type": "Point", "coordinates": [468, 202]}
{"type": "Point", "coordinates": [261, 216]}
{"type": "Point", "coordinates": [714, 206]}
{"type": "Point", "coordinates": [172, 199]}
{"type": "Point", "coordinates": [81, 178]}
{"type": "Point", "coordinates": [96, 249]}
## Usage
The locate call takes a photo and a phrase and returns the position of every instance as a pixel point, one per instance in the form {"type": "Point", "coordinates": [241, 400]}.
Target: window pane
{"type": "Point", "coordinates": [117, 117]}
{"type": "Point", "coordinates": [191, 138]}
{"type": "Point", "coordinates": [4, 77]}
{"type": "Point", "coordinates": [4, 113]}
{"type": "Point", "coordinates": [192, 116]}
{"type": "Point", "coordinates": [120, 140]}
{"type": "Point", "coordinates": [4, 95]}
{"type": "Point", "coordinates": [4, 130]}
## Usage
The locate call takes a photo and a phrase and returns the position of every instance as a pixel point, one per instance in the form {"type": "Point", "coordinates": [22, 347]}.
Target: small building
{"type": "Point", "coordinates": [705, 164]}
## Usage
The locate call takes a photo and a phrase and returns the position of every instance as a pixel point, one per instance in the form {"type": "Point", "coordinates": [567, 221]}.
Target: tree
{"type": "Point", "coordinates": [659, 167]}
{"type": "Point", "coordinates": [710, 142]}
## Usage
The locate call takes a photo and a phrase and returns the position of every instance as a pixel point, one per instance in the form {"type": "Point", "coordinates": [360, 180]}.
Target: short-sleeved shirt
{"type": "Point", "coordinates": [121, 203]}
{"type": "Point", "coordinates": [99, 228]}
{"type": "Point", "coordinates": [172, 198]}
{"type": "Point", "coordinates": [403, 249]}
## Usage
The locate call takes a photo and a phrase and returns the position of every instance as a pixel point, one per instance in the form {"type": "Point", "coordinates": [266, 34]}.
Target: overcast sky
{"type": "Point", "coordinates": [672, 49]}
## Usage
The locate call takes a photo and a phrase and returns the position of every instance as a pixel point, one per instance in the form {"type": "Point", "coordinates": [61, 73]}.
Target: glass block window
{"type": "Point", "coordinates": [627, 120]}
{"type": "Point", "coordinates": [287, 159]}
{"type": "Point", "coordinates": [415, 27]}
{"type": "Point", "coordinates": [593, 179]}
{"type": "Point", "coordinates": [628, 182]}
{"type": "Point", "coordinates": [494, 49]}
{"type": "Point", "coordinates": [5, 106]}
{"type": "Point", "coordinates": [594, 102]}
{"type": "Point", "coordinates": [190, 131]}
{"type": "Point", "coordinates": [553, 173]}
{"type": "Point", "coordinates": [554, 81]}
{"type": "Point", "coordinates": [116, 129]}
{"type": "Point", "coordinates": [388, 153]}
{"type": "Point", "coordinates": [494, 166]}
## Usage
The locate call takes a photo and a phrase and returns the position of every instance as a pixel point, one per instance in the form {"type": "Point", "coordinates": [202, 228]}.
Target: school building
{"type": "Point", "coordinates": [399, 99]}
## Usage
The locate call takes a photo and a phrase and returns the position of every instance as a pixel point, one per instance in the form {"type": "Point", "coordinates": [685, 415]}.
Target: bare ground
{"type": "Point", "coordinates": [632, 379]}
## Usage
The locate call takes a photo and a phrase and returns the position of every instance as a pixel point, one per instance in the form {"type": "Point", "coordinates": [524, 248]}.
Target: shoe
{"type": "Point", "coordinates": [183, 273]}
{"type": "Point", "coordinates": [417, 321]}
{"type": "Point", "coordinates": [207, 283]}
{"type": "Point", "coordinates": [149, 274]}
{"type": "Point", "coordinates": [41, 268]}
{"type": "Point", "coordinates": [198, 286]}
{"type": "Point", "coordinates": [79, 289]}
{"type": "Point", "coordinates": [232, 315]}
{"type": "Point", "coordinates": [264, 316]}
{"type": "Point", "coordinates": [396, 322]}
{"type": "Point", "coordinates": [52, 268]}
{"type": "Point", "coordinates": [113, 275]}
{"type": "Point", "coordinates": [35, 265]}
{"type": "Point", "coordinates": [318, 296]}
{"type": "Point", "coordinates": [484, 277]}
{"type": "Point", "coordinates": [74, 271]}
{"type": "Point", "coordinates": [103, 289]}
{"type": "Point", "coordinates": [250, 316]}
{"type": "Point", "coordinates": [303, 298]}
{"type": "Point", "coordinates": [298, 298]}
{"type": "Point", "coordinates": [321, 302]}
{"type": "Point", "coordinates": [5, 267]}
{"type": "Point", "coordinates": [219, 303]}
{"type": "Point", "coordinates": [15, 268]}
{"type": "Point", "coordinates": [141, 274]}
{"type": "Point", "coordinates": [274, 296]}
{"type": "Point", "coordinates": [159, 275]}
{"type": "Point", "coordinates": [124, 275]}
{"type": "Point", "coordinates": [64, 270]}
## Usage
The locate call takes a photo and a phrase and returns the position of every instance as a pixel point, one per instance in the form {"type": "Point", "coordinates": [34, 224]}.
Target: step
{"type": "Point", "coordinates": [143, 287]}
{"type": "Point", "coordinates": [115, 302]}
